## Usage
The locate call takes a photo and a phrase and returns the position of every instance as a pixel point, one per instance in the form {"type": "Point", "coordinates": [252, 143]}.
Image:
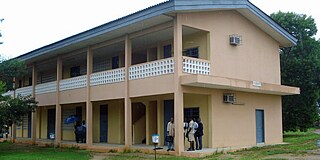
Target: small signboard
{"type": "Point", "coordinates": [256, 84]}
{"type": "Point", "coordinates": [155, 138]}
{"type": "Point", "coordinates": [51, 136]}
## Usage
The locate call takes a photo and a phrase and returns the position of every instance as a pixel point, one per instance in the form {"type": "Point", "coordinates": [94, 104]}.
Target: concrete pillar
{"type": "Point", "coordinates": [210, 120]}
{"type": "Point", "coordinates": [89, 136]}
{"type": "Point", "coordinates": [34, 114]}
{"type": "Point", "coordinates": [148, 138]}
{"type": "Point", "coordinates": [178, 94]}
{"type": "Point", "coordinates": [127, 100]}
{"type": "Point", "coordinates": [58, 106]}
{"type": "Point", "coordinates": [160, 124]}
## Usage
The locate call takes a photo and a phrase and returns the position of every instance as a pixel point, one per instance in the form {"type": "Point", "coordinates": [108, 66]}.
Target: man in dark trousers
{"type": "Point", "coordinates": [198, 135]}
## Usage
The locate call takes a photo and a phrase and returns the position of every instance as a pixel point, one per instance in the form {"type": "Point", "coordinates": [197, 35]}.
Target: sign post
{"type": "Point", "coordinates": [155, 140]}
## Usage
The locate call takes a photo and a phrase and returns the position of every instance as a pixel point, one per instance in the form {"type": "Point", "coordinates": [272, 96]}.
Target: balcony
{"type": "Point", "coordinates": [150, 69]}
{"type": "Point", "coordinates": [136, 72]}
{"type": "Point", "coordinates": [107, 77]}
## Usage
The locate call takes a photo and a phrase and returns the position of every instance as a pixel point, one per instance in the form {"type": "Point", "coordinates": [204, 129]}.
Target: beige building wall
{"type": "Point", "coordinates": [234, 125]}
{"type": "Point", "coordinates": [257, 58]}
{"type": "Point", "coordinates": [115, 121]}
{"type": "Point", "coordinates": [201, 102]}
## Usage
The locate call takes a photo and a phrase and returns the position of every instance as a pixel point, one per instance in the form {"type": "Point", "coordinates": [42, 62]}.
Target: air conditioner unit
{"type": "Point", "coordinates": [235, 39]}
{"type": "Point", "coordinates": [229, 98]}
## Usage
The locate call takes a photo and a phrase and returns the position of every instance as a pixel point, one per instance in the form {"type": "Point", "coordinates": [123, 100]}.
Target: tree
{"type": "Point", "coordinates": [300, 66]}
{"type": "Point", "coordinates": [13, 109]}
{"type": "Point", "coordinates": [9, 69]}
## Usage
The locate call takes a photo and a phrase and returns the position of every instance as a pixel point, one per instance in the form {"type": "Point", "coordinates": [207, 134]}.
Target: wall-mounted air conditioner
{"type": "Point", "coordinates": [235, 39]}
{"type": "Point", "coordinates": [229, 98]}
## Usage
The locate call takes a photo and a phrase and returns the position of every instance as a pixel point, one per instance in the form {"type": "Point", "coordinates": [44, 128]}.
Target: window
{"type": "Point", "coordinates": [191, 113]}
{"type": "Point", "coordinates": [191, 52]}
{"type": "Point", "coordinates": [75, 71]}
{"type": "Point", "coordinates": [167, 51]}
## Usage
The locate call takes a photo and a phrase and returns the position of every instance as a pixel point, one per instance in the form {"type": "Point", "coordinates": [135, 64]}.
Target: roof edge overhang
{"type": "Point", "coordinates": [215, 82]}
{"type": "Point", "coordinates": [165, 8]}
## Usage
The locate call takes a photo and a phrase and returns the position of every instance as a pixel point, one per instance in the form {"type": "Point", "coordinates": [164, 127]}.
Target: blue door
{"type": "Point", "coordinates": [104, 123]}
{"type": "Point", "coordinates": [167, 51]}
{"type": "Point", "coordinates": [29, 125]}
{"type": "Point", "coordinates": [51, 122]}
{"type": "Point", "coordinates": [260, 126]}
{"type": "Point", "coordinates": [168, 113]}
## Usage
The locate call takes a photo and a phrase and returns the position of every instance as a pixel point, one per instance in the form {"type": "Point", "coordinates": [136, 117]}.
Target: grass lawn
{"type": "Point", "coordinates": [301, 144]}
{"type": "Point", "coordinates": [25, 152]}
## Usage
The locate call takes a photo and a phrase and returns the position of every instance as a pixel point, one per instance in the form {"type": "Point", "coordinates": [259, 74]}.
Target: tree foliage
{"type": "Point", "coordinates": [9, 69]}
{"type": "Point", "coordinates": [300, 66]}
{"type": "Point", "coordinates": [13, 109]}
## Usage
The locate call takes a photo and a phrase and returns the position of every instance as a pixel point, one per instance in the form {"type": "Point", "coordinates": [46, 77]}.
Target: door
{"type": "Point", "coordinates": [167, 51]}
{"type": "Point", "coordinates": [29, 125]}
{"type": "Point", "coordinates": [260, 126]}
{"type": "Point", "coordinates": [104, 123]}
{"type": "Point", "coordinates": [51, 122]}
{"type": "Point", "coordinates": [168, 113]}
{"type": "Point", "coordinates": [115, 62]}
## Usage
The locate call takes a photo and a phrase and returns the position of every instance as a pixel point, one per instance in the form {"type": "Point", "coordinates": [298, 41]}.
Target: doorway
{"type": "Point", "coordinates": [104, 123]}
{"type": "Point", "coordinates": [260, 137]}
{"type": "Point", "coordinates": [51, 122]}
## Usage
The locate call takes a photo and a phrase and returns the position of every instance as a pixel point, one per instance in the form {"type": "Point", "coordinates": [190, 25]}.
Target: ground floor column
{"type": "Point", "coordinates": [178, 122]}
{"type": "Point", "coordinates": [148, 139]}
{"type": "Point", "coordinates": [58, 125]}
{"type": "Point", "coordinates": [160, 115]}
{"type": "Point", "coordinates": [128, 122]}
{"type": "Point", "coordinates": [33, 127]}
{"type": "Point", "coordinates": [210, 120]}
{"type": "Point", "coordinates": [89, 136]}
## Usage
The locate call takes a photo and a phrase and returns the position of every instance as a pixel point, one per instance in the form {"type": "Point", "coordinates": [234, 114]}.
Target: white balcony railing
{"type": "Point", "coordinates": [196, 66]}
{"type": "Point", "coordinates": [150, 69]}
{"type": "Point", "coordinates": [73, 83]}
{"type": "Point", "coordinates": [25, 91]}
{"type": "Point", "coordinates": [46, 87]}
{"type": "Point", "coordinates": [9, 93]}
{"type": "Point", "coordinates": [107, 77]}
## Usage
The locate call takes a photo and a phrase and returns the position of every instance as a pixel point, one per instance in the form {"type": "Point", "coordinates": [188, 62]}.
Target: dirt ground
{"type": "Point", "coordinates": [311, 155]}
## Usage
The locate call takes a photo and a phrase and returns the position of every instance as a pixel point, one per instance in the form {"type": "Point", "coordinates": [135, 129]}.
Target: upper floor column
{"type": "Point", "coordinates": [178, 94]}
{"type": "Point", "coordinates": [58, 106]}
{"type": "Point", "coordinates": [89, 138]}
{"type": "Point", "coordinates": [127, 105]}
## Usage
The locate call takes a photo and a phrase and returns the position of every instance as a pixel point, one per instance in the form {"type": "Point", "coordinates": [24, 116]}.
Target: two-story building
{"type": "Point", "coordinates": [218, 60]}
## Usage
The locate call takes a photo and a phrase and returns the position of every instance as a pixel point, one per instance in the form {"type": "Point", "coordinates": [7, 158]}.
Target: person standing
{"type": "Point", "coordinates": [198, 135]}
{"type": "Point", "coordinates": [84, 131]}
{"type": "Point", "coordinates": [191, 135]}
{"type": "Point", "coordinates": [170, 134]}
{"type": "Point", "coordinates": [77, 132]}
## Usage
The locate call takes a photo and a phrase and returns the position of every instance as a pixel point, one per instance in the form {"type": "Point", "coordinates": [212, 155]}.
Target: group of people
{"type": "Point", "coordinates": [80, 131]}
{"type": "Point", "coordinates": [193, 131]}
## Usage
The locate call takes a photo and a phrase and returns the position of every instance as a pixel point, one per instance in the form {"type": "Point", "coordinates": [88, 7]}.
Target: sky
{"type": "Point", "coordinates": [32, 24]}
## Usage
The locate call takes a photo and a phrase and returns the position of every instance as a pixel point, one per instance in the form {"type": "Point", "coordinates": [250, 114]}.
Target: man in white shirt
{"type": "Point", "coordinates": [170, 135]}
{"type": "Point", "coordinates": [191, 135]}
